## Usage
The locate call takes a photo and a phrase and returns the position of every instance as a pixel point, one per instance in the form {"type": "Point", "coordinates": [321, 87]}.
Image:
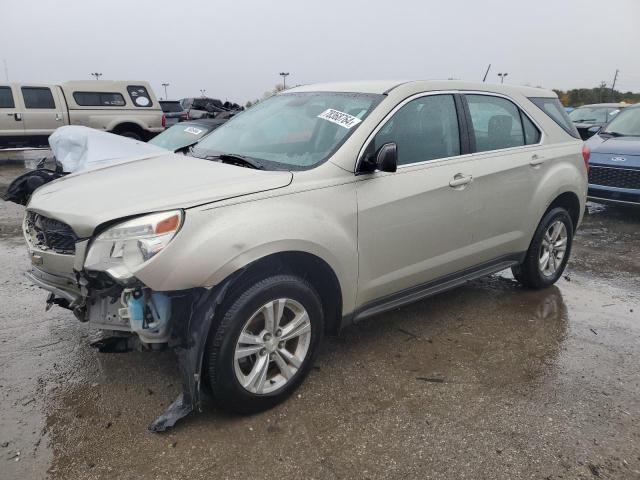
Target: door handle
{"type": "Point", "coordinates": [460, 180]}
{"type": "Point", "coordinates": [16, 116]}
{"type": "Point", "coordinates": [58, 117]}
{"type": "Point", "coordinates": [536, 160]}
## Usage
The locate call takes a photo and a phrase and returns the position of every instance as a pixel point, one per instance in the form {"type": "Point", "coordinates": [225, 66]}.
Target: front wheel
{"type": "Point", "coordinates": [264, 344]}
{"type": "Point", "coordinates": [549, 251]}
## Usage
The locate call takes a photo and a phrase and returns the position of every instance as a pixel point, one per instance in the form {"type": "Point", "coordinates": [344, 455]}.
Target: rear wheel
{"type": "Point", "coordinates": [265, 343]}
{"type": "Point", "coordinates": [549, 251]}
{"type": "Point", "coordinates": [130, 134]}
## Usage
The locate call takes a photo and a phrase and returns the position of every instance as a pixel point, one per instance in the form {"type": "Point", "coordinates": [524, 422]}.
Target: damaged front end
{"type": "Point", "coordinates": [95, 278]}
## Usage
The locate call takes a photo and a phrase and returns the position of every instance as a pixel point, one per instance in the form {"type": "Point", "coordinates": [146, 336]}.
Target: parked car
{"type": "Point", "coordinates": [587, 117]}
{"type": "Point", "coordinates": [185, 134]}
{"type": "Point", "coordinates": [614, 173]}
{"type": "Point", "coordinates": [205, 107]}
{"type": "Point", "coordinates": [314, 209]}
{"type": "Point", "coordinates": [173, 112]}
{"type": "Point", "coordinates": [30, 112]}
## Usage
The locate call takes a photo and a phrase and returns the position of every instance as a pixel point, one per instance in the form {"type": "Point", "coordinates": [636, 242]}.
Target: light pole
{"type": "Point", "coordinates": [284, 76]}
{"type": "Point", "coordinates": [202, 92]}
{"type": "Point", "coordinates": [97, 75]}
{"type": "Point", "coordinates": [502, 75]}
{"type": "Point", "coordinates": [165, 85]}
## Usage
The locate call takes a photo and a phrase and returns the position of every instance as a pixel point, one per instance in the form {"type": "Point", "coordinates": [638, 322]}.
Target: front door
{"type": "Point", "coordinates": [413, 224]}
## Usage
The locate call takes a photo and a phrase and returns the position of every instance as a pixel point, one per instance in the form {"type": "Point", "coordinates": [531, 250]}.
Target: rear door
{"type": "Point", "coordinates": [11, 124]}
{"type": "Point", "coordinates": [507, 166]}
{"type": "Point", "coordinates": [43, 111]}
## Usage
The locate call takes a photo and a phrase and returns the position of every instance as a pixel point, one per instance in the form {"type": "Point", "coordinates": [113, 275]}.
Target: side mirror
{"type": "Point", "coordinates": [594, 130]}
{"type": "Point", "coordinates": [387, 157]}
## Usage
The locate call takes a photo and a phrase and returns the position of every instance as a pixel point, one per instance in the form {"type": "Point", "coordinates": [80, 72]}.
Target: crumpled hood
{"type": "Point", "coordinates": [85, 200]}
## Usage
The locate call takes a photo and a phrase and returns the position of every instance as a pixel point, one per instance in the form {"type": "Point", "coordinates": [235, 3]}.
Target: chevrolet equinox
{"type": "Point", "coordinates": [316, 208]}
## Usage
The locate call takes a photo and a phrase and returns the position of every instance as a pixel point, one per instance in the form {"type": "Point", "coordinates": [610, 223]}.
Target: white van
{"type": "Point", "coordinates": [30, 112]}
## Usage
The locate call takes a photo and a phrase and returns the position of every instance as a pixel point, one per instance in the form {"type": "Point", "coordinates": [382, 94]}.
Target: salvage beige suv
{"type": "Point", "coordinates": [319, 207]}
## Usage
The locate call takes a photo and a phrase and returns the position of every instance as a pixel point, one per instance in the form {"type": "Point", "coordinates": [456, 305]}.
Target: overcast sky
{"type": "Point", "coordinates": [235, 49]}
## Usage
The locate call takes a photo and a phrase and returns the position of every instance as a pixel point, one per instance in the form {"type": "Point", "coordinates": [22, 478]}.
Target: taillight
{"type": "Point", "coordinates": [586, 153]}
{"type": "Point", "coordinates": [164, 120]}
{"type": "Point", "coordinates": [184, 116]}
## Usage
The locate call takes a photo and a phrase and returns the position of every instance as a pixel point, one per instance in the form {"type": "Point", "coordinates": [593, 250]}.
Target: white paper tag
{"type": "Point", "coordinates": [343, 119]}
{"type": "Point", "coordinates": [193, 130]}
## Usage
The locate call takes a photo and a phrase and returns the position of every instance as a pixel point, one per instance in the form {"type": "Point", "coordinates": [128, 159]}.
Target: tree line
{"type": "Point", "coordinates": [601, 94]}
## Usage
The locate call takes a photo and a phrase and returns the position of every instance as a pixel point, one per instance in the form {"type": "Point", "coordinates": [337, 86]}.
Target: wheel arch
{"type": "Point", "coordinates": [306, 265]}
{"type": "Point", "coordinates": [570, 202]}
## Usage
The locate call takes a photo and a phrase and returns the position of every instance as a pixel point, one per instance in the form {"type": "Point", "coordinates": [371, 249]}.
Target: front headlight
{"type": "Point", "coordinates": [122, 248]}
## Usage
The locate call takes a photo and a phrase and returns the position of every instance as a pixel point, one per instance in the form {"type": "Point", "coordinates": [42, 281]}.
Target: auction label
{"type": "Point", "coordinates": [343, 119]}
{"type": "Point", "coordinates": [193, 130]}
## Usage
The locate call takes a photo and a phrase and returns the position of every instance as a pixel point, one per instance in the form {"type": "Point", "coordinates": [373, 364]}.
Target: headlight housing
{"type": "Point", "coordinates": [122, 248]}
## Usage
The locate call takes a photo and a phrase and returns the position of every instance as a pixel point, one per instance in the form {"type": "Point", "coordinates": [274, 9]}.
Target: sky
{"type": "Point", "coordinates": [236, 49]}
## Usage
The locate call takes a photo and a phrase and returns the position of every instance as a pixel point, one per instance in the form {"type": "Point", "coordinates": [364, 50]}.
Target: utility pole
{"type": "Point", "coordinates": [502, 75]}
{"type": "Point", "coordinates": [6, 69]}
{"type": "Point", "coordinates": [284, 76]}
{"type": "Point", "coordinates": [165, 85]}
{"type": "Point", "coordinates": [484, 79]}
{"type": "Point", "coordinates": [613, 85]}
{"type": "Point", "coordinates": [97, 75]}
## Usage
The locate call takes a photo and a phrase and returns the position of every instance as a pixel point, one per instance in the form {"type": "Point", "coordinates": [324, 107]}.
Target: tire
{"type": "Point", "coordinates": [243, 313]}
{"type": "Point", "coordinates": [530, 272]}
{"type": "Point", "coordinates": [130, 134]}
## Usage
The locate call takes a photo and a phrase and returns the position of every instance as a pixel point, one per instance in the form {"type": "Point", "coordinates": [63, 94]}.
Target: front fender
{"type": "Point", "coordinates": [216, 241]}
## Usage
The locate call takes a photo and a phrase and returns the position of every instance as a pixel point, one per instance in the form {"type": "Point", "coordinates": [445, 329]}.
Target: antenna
{"type": "Point", "coordinates": [484, 79]}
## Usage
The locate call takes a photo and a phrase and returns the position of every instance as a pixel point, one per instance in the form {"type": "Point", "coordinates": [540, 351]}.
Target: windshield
{"type": "Point", "coordinates": [293, 130]}
{"type": "Point", "coordinates": [181, 135]}
{"type": "Point", "coordinates": [590, 115]}
{"type": "Point", "coordinates": [627, 123]}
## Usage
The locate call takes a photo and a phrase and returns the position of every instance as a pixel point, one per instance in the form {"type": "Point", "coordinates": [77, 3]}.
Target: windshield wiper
{"type": "Point", "coordinates": [613, 134]}
{"type": "Point", "coordinates": [235, 159]}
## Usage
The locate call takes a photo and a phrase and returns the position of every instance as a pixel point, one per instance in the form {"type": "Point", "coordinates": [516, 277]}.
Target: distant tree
{"type": "Point", "coordinates": [577, 97]}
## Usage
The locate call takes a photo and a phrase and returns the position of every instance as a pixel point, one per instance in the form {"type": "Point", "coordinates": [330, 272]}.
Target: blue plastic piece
{"type": "Point", "coordinates": [136, 312]}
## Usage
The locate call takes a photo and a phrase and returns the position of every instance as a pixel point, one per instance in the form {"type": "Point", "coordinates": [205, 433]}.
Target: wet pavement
{"type": "Point", "coordinates": [488, 381]}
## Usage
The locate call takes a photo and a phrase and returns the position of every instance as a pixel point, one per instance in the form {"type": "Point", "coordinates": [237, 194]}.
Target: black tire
{"type": "Point", "coordinates": [131, 134]}
{"type": "Point", "coordinates": [528, 273]}
{"type": "Point", "coordinates": [235, 312]}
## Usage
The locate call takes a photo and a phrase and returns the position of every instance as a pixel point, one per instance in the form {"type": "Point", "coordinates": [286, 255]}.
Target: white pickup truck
{"type": "Point", "coordinates": [30, 112]}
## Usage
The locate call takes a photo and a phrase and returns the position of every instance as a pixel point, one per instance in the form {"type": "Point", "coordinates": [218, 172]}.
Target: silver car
{"type": "Point", "coordinates": [314, 209]}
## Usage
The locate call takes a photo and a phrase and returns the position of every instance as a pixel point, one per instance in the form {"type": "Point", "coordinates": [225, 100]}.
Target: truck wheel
{"type": "Point", "coordinates": [549, 251]}
{"type": "Point", "coordinates": [131, 134]}
{"type": "Point", "coordinates": [264, 344]}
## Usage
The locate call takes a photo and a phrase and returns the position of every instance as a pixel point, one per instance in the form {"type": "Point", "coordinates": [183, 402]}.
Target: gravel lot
{"type": "Point", "coordinates": [488, 381]}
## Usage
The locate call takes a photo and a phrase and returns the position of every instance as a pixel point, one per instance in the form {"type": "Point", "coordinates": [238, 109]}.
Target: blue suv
{"type": "Point", "coordinates": [614, 160]}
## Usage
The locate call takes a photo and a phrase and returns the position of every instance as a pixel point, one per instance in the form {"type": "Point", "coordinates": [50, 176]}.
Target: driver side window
{"type": "Point", "coordinates": [424, 129]}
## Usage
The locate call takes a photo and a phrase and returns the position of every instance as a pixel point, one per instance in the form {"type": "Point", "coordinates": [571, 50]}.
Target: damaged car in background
{"type": "Point", "coordinates": [316, 208]}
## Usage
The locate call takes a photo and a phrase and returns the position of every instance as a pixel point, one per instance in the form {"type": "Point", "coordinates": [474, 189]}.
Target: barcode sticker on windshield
{"type": "Point", "coordinates": [193, 130]}
{"type": "Point", "coordinates": [343, 119]}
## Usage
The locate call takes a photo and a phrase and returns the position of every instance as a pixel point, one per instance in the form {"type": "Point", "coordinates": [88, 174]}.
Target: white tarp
{"type": "Point", "coordinates": [82, 148]}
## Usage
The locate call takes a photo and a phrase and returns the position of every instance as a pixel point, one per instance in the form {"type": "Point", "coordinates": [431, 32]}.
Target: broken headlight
{"type": "Point", "coordinates": [121, 249]}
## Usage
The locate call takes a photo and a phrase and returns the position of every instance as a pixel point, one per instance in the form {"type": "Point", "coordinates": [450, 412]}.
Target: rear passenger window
{"type": "Point", "coordinates": [38, 97]}
{"type": "Point", "coordinates": [139, 96]}
{"type": "Point", "coordinates": [424, 129]}
{"type": "Point", "coordinates": [6, 98]}
{"type": "Point", "coordinates": [531, 133]}
{"type": "Point", "coordinates": [98, 99]}
{"type": "Point", "coordinates": [496, 123]}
